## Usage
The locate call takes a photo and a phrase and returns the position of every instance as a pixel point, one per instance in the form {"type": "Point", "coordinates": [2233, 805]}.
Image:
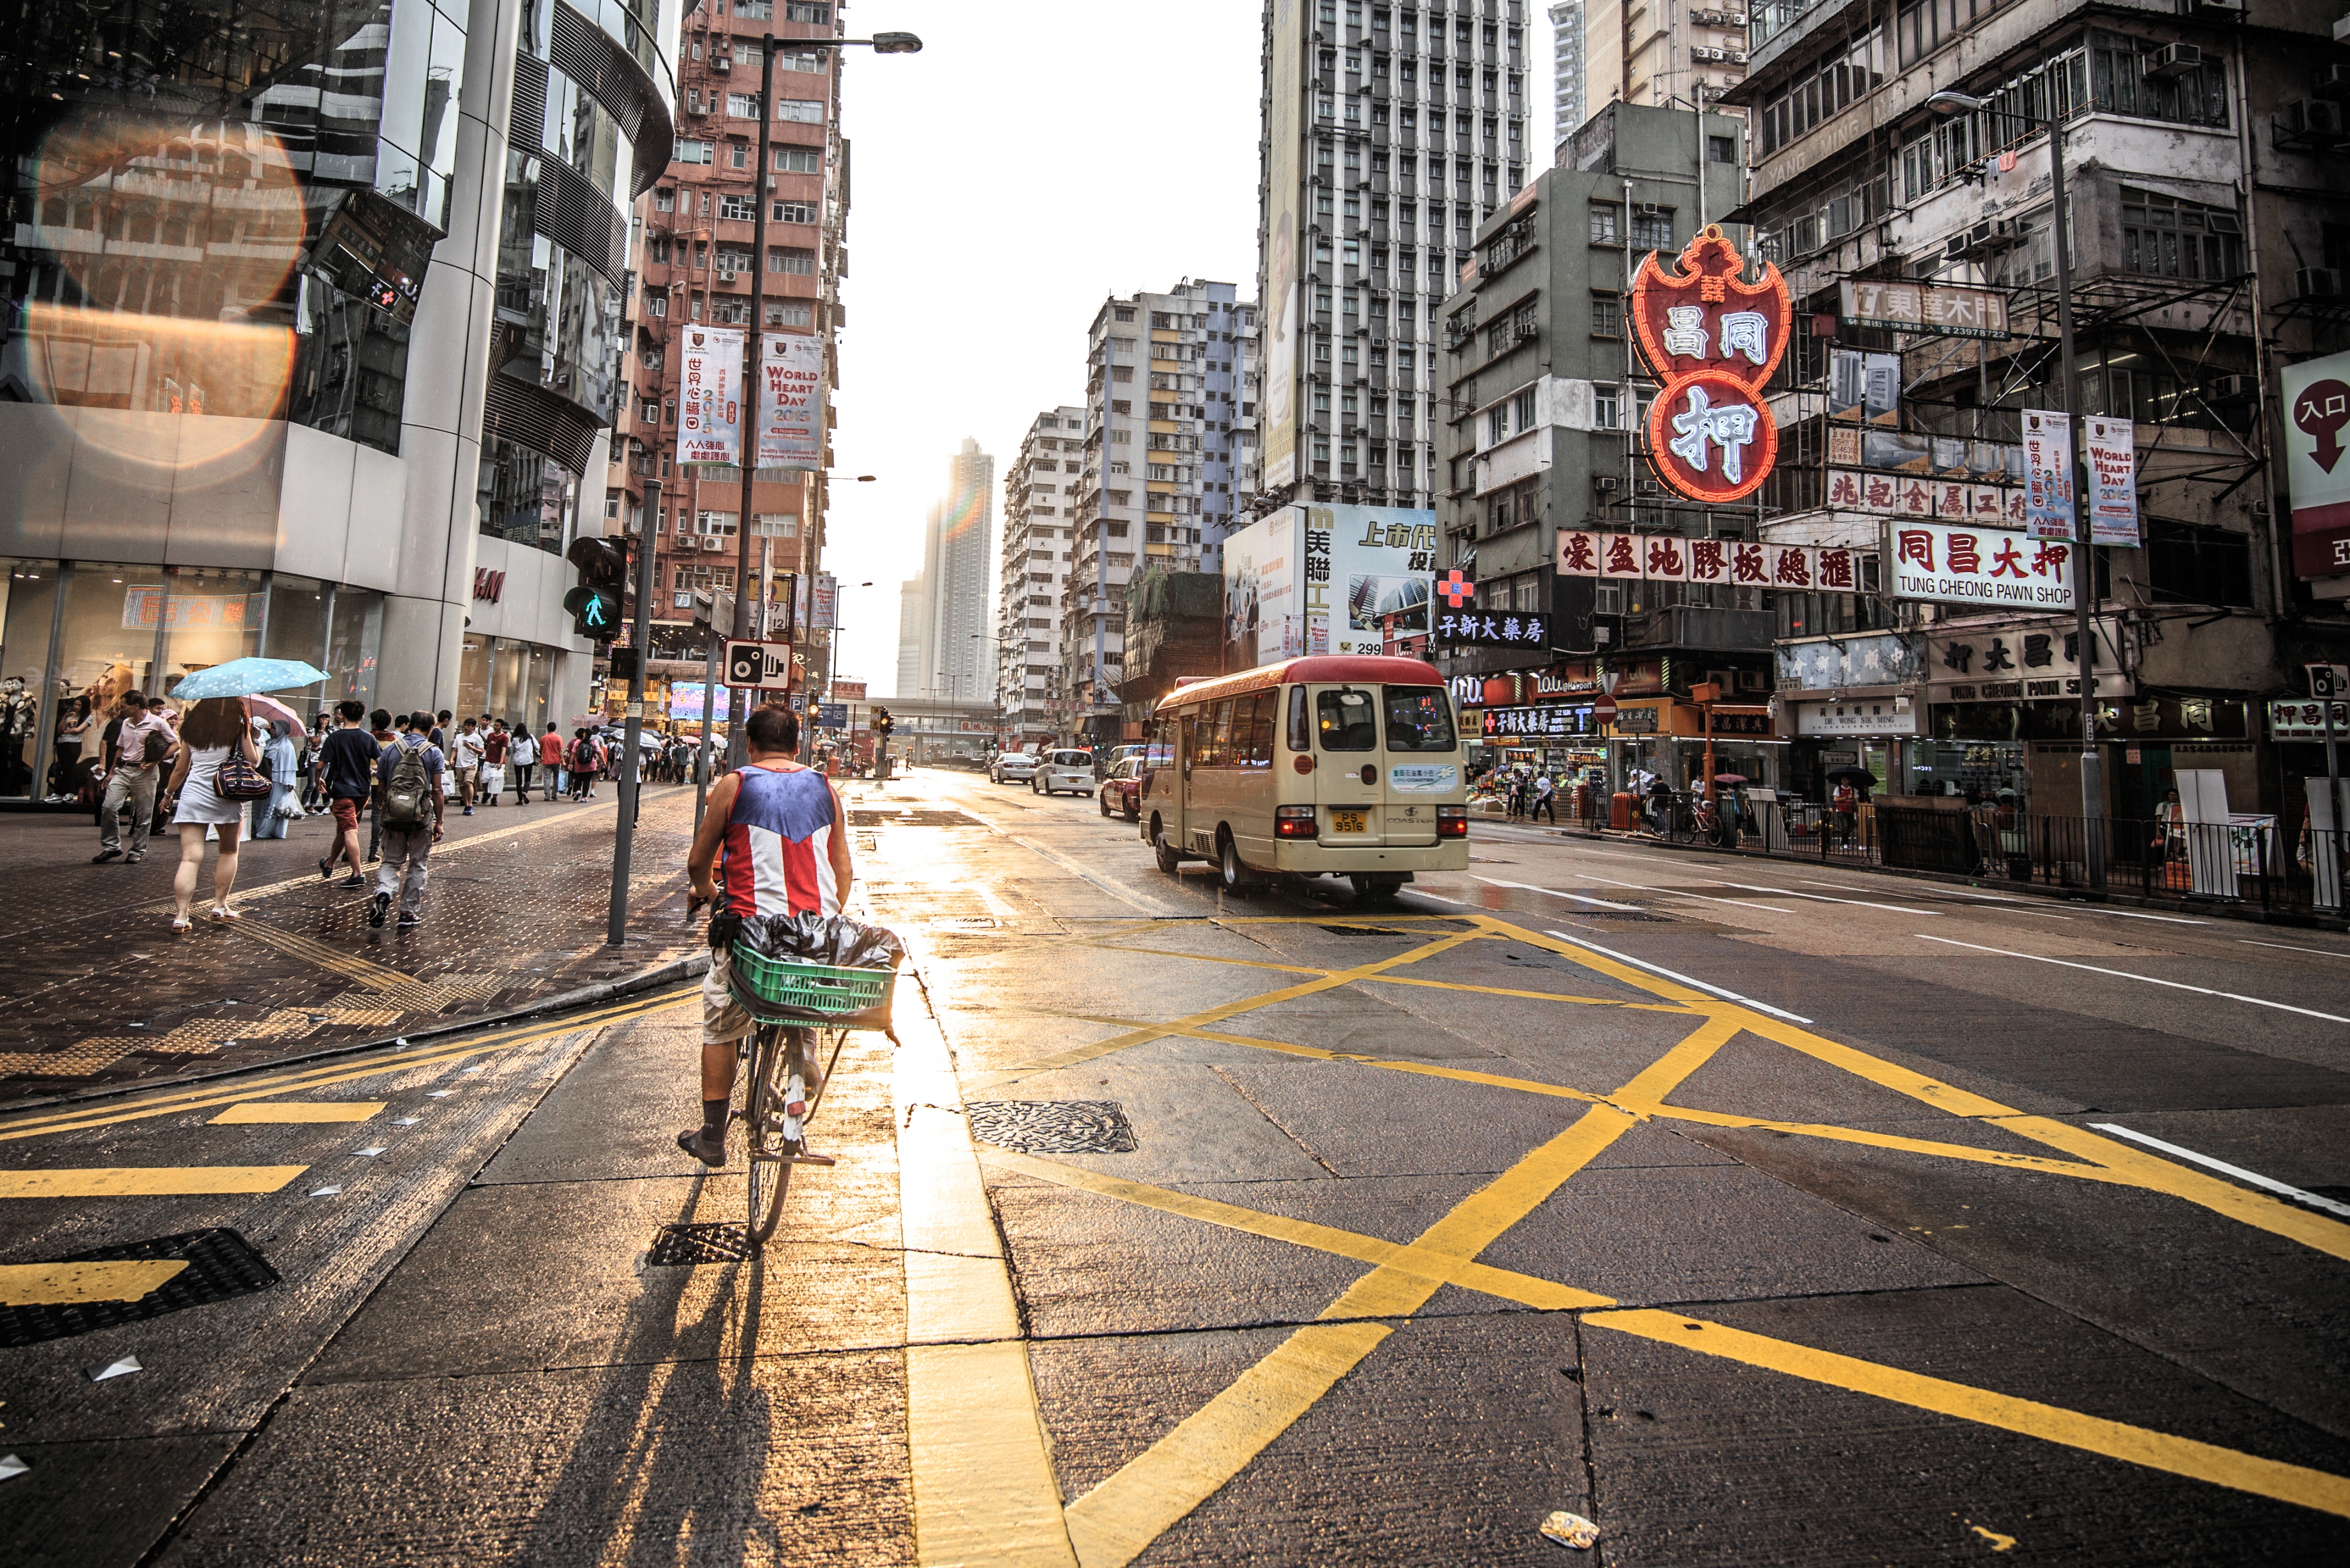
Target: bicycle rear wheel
{"type": "Point", "coordinates": [766, 1176]}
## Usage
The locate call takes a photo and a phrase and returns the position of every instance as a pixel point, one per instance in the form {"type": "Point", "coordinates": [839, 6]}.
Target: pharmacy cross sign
{"type": "Point", "coordinates": [1456, 588]}
{"type": "Point", "coordinates": [1714, 339]}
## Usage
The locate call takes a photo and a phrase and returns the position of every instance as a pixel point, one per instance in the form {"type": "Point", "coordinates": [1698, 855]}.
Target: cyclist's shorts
{"type": "Point", "coordinates": [723, 1019]}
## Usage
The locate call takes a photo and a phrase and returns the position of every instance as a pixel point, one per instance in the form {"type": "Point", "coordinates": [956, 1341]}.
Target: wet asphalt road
{"type": "Point", "coordinates": [1757, 1212]}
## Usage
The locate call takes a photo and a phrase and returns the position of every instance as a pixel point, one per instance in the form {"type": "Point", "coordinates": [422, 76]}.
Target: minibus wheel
{"type": "Point", "coordinates": [1375, 890]}
{"type": "Point", "coordinates": [1236, 874]}
{"type": "Point", "coordinates": [1168, 861]}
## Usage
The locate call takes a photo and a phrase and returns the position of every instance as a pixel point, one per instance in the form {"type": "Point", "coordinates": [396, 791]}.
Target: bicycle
{"type": "Point", "coordinates": [799, 1009]}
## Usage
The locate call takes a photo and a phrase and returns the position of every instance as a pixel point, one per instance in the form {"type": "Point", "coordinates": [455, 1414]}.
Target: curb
{"type": "Point", "coordinates": [2216, 908]}
{"type": "Point", "coordinates": [585, 996]}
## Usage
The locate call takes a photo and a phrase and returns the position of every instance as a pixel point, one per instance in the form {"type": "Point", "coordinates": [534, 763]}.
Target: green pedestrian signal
{"type": "Point", "coordinates": [595, 605]}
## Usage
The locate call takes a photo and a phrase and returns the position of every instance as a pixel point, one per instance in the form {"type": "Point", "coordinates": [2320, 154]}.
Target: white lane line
{"type": "Point", "coordinates": [997, 907]}
{"type": "Point", "coordinates": [1666, 893]}
{"type": "Point", "coordinates": [1822, 898]}
{"type": "Point", "coordinates": [2288, 948]}
{"type": "Point", "coordinates": [2147, 978]}
{"type": "Point", "coordinates": [2239, 1172]}
{"type": "Point", "coordinates": [2135, 915]}
{"type": "Point", "coordinates": [1578, 897]}
{"type": "Point", "coordinates": [1685, 980]}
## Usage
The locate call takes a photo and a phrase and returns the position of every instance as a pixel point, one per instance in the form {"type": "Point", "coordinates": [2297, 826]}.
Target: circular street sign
{"type": "Point", "coordinates": [1603, 708]}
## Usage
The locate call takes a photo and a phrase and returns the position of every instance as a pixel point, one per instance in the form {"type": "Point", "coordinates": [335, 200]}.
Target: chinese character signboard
{"type": "Point", "coordinates": [1493, 629]}
{"type": "Point", "coordinates": [2291, 720]}
{"type": "Point", "coordinates": [1728, 563]}
{"type": "Point", "coordinates": [1712, 340]}
{"type": "Point", "coordinates": [710, 396]}
{"type": "Point", "coordinates": [1968, 566]}
{"type": "Point", "coordinates": [2047, 474]}
{"type": "Point", "coordinates": [1937, 309]}
{"type": "Point", "coordinates": [790, 401]}
{"type": "Point", "coordinates": [2113, 481]}
{"type": "Point", "coordinates": [2318, 464]}
{"type": "Point", "coordinates": [1547, 719]}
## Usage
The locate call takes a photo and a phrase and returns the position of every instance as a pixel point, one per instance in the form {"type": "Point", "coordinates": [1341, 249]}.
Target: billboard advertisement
{"type": "Point", "coordinates": [2316, 415]}
{"type": "Point", "coordinates": [1284, 232]}
{"type": "Point", "coordinates": [791, 402]}
{"type": "Point", "coordinates": [710, 396]}
{"type": "Point", "coordinates": [1330, 579]}
{"type": "Point", "coordinates": [2113, 481]}
{"type": "Point", "coordinates": [2047, 474]}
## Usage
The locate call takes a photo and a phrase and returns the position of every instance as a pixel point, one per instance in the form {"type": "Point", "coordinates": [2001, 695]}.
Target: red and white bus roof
{"type": "Point", "coordinates": [1359, 669]}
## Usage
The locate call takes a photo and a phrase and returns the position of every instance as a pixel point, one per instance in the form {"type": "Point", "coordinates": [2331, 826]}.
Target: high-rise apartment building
{"type": "Point", "coordinates": [1567, 93]}
{"type": "Point", "coordinates": [1040, 507]}
{"type": "Point", "coordinates": [1167, 414]}
{"type": "Point", "coordinates": [953, 643]}
{"type": "Point", "coordinates": [312, 332]}
{"type": "Point", "coordinates": [1639, 54]}
{"type": "Point", "coordinates": [1392, 131]}
{"type": "Point", "coordinates": [695, 262]}
{"type": "Point", "coordinates": [909, 637]}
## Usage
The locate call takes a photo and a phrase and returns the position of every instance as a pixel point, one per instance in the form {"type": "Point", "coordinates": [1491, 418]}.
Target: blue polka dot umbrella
{"type": "Point", "coordinates": [244, 677]}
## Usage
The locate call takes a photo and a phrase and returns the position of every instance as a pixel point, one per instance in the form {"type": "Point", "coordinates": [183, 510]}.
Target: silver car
{"type": "Point", "coordinates": [1071, 771]}
{"type": "Point", "coordinates": [1014, 767]}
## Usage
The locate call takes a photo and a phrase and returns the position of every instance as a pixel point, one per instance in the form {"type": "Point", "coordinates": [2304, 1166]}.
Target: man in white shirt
{"type": "Point", "coordinates": [135, 756]}
{"type": "Point", "coordinates": [465, 757]}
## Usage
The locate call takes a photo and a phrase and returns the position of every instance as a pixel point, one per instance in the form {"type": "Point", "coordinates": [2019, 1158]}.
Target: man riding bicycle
{"type": "Point", "coordinates": [785, 852]}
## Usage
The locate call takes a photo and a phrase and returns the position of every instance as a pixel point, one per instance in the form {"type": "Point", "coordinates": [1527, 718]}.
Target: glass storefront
{"type": "Point", "coordinates": [90, 632]}
{"type": "Point", "coordinates": [507, 679]}
{"type": "Point", "coordinates": [1977, 771]}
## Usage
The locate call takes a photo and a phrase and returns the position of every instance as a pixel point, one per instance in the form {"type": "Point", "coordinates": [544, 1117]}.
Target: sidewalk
{"type": "Point", "coordinates": [102, 993]}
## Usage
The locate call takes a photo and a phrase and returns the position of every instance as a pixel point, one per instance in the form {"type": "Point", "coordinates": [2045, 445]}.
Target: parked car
{"type": "Point", "coordinates": [1121, 792]}
{"type": "Point", "coordinates": [1014, 767]}
{"type": "Point", "coordinates": [1105, 761]}
{"type": "Point", "coordinates": [1057, 771]}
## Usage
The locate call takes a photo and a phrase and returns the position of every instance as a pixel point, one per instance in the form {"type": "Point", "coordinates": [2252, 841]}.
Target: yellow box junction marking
{"type": "Point", "coordinates": [271, 1112]}
{"type": "Point", "coordinates": [63, 1284]}
{"type": "Point", "coordinates": [1117, 1520]}
{"type": "Point", "coordinates": [146, 1181]}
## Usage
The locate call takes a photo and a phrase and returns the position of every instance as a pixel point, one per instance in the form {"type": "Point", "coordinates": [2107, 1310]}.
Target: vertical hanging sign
{"type": "Point", "coordinates": [2113, 481]}
{"type": "Point", "coordinates": [710, 397]}
{"type": "Point", "coordinates": [790, 398]}
{"type": "Point", "coordinates": [1714, 339]}
{"type": "Point", "coordinates": [2048, 474]}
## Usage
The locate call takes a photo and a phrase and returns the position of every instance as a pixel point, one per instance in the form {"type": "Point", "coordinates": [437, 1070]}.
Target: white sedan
{"type": "Point", "coordinates": [1058, 771]}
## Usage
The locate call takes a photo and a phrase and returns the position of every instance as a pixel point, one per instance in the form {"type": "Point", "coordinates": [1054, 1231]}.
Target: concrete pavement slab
{"type": "Point", "coordinates": [101, 1504]}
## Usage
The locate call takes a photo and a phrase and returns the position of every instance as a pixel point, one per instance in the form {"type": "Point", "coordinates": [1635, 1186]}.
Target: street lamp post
{"type": "Point", "coordinates": [880, 44]}
{"type": "Point", "coordinates": [2084, 559]}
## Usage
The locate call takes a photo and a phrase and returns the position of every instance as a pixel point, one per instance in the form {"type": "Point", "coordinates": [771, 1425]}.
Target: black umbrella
{"type": "Point", "coordinates": [1857, 775]}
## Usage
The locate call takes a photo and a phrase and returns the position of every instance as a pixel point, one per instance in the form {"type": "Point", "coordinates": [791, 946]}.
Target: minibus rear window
{"type": "Point", "coordinates": [1418, 720]}
{"type": "Point", "coordinates": [1344, 719]}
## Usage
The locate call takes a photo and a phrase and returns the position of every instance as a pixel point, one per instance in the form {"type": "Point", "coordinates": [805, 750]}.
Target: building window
{"type": "Point", "coordinates": [794, 213]}
{"type": "Point", "coordinates": [692, 149]}
{"type": "Point", "coordinates": [1606, 316]}
{"type": "Point", "coordinates": [2172, 238]}
{"type": "Point", "coordinates": [796, 160]}
{"type": "Point", "coordinates": [1606, 407]}
{"type": "Point", "coordinates": [793, 261]}
{"type": "Point", "coordinates": [783, 313]}
{"type": "Point", "coordinates": [742, 105]}
{"type": "Point", "coordinates": [1653, 230]}
{"type": "Point", "coordinates": [1722, 148]}
{"type": "Point", "coordinates": [665, 200]}
{"type": "Point", "coordinates": [800, 111]}
{"type": "Point", "coordinates": [736, 209]}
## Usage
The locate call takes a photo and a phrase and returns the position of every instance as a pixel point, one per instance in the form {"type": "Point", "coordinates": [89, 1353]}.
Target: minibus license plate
{"type": "Point", "coordinates": [1346, 822]}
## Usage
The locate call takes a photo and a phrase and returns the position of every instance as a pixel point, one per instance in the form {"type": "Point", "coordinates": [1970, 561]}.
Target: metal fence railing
{"type": "Point", "coordinates": [2259, 861]}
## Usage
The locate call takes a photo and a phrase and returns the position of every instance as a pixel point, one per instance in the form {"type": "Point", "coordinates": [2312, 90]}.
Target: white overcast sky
{"type": "Point", "coordinates": [1034, 158]}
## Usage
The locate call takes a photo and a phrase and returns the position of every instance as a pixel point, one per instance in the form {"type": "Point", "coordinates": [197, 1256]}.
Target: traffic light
{"type": "Point", "coordinates": [623, 664]}
{"type": "Point", "coordinates": [883, 722]}
{"type": "Point", "coordinates": [595, 604]}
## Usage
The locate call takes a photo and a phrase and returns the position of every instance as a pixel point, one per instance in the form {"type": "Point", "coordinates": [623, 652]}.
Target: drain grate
{"type": "Point", "coordinates": [1052, 1127]}
{"type": "Point", "coordinates": [684, 1246]}
{"type": "Point", "coordinates": [220, 1264]}
{"type": "Point", "coordinates": [918, 818]}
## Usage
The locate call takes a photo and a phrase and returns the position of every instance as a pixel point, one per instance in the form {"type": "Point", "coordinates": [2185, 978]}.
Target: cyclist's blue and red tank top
{"type": "Point", "coordinates": [777, 857]}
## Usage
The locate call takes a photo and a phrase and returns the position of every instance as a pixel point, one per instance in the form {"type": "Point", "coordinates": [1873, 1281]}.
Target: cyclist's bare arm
{"type": "Point", "coordinates": [702, 859]}
{"type": "Point", "coordinates": [844, 873]}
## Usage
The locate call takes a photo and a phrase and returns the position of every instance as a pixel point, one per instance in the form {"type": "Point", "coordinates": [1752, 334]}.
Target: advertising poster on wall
{"type": "Point", "coordinates": [1285, 233]}
{"type": "Point", "coordinates": [710, 396]}
{"type": "Point", "coordinates": [791, 402]}
{"type": "Point", "coordinates": [2113, 481]}
{"type": "Point", "coordinates": [1330, 579]}
{"type": "Point", "coordinates": [2047, 474]}
{"type": "Point", "coordinates": [2316, 418]}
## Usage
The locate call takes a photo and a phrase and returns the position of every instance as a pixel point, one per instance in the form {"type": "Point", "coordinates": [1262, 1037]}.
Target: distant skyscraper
{"type": "Point", "coordinates": [955, 648]}
{"type": "Point", "coordinates": [910, 637]}
{"type": "Point", "coordinates": [1040, 510]}
{"type": "Point", "coordinates": [1566, 66]}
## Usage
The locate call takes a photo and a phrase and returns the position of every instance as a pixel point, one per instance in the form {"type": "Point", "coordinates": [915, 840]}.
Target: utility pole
{"type": "Point", "coordinates": [753, 390]}
{"type": "Point", "coordinates": [616, 924]}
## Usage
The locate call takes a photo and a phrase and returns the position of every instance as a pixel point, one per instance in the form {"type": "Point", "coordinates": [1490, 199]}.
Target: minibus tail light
{"type": "Point", "coordinates": [1451, 822]}
{"type": "Point", "coordinates": [1294, 822]}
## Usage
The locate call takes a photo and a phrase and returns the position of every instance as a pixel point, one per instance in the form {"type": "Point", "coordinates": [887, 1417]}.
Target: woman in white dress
{"type": "Point", "coordinates": [206, 733]}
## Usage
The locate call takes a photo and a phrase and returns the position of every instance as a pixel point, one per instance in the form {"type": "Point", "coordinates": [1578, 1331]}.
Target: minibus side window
{"type": "Point", "coordinates": [1220, 748]}
{"type": "Point", "coordinates": [1346, 721]}
{"type": "Point", "coordinates": [1301, 733]}
{"type": "Point", "coordinates": [1260, 755]}
{"type": "Point", "coordinates": [1418, 720]}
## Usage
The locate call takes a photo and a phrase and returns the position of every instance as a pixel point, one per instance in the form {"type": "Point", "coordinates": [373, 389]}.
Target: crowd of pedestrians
{"type": "Point", "coordinates": [150, 766]}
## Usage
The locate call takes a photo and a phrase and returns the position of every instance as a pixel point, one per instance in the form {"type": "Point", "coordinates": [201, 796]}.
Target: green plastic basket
{"type": "Point", "coordinates": [781, 991]}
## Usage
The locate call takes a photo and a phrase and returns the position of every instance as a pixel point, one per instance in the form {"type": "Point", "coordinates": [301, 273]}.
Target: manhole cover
{"type": "Point", "coordinates": [683, 1246]}
{"type": "Point", "coordinates": [220, 1264]}
{"type": "Point", "coordinates": [1052, 1127]}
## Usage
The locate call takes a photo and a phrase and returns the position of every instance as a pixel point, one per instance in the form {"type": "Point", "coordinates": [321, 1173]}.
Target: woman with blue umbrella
{"type": "Point", "coordinates": [219, 770]}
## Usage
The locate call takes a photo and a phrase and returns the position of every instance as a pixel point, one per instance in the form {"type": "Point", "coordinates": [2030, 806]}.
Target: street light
{"type": "Point", "coordinates": [880, 44]}
{"type": "Point", "coordinates": [1949, 105]}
